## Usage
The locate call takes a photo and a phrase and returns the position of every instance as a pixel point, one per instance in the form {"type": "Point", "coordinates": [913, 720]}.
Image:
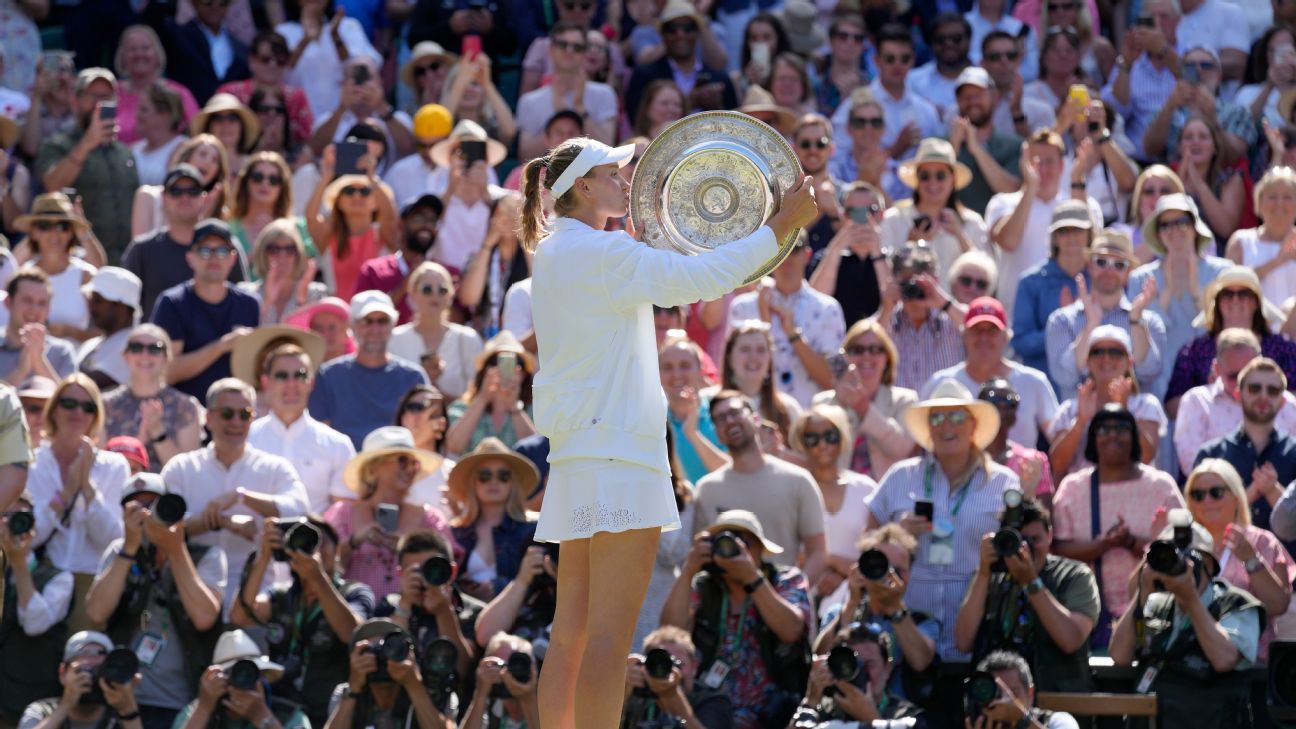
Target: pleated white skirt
{"type": "Point", "coordinates": [590, 495]}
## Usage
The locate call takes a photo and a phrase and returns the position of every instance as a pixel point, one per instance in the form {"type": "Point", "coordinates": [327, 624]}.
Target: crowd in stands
{"type": "Point", "coordinates": [1019, 405]}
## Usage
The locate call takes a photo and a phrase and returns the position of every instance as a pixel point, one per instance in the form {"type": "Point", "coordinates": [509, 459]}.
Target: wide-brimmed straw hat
{"type": "Point", "coordinates": [54, 206]}
{"type": "Point", "coordinates": [759, 101]}
{"type": "Point", "coordinates": [1235, 277]}
{"type": "Point", "coordinates": [951, 394]}
{"type": "Point", "coordinates": [801, 20]}
{"type": "Point", "coordinates": [1176, 202]}
{"type": "Point", "coordinates": [676, 9]}
{"type": "Point", "coordinates": [221, 103]}
{"type": "Point", "coordinates": [336, 187]}
{"type": "Point", "coordinates": [505, 341]}
{"type": "Point", "coordinates": [420, 52]}
{"type": "Point", "coordinates": [467, 129]}
{"type": "Point", "coordinates": [246, 359]}
{"type": "Point", "coordinates": [389, 440]}
{"type": "Point", "coordinates": [463, 475]}
{"type": "Point", "coordinates": [938, 151]}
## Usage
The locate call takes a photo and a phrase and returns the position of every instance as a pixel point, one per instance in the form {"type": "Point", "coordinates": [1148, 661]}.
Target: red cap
{"type": "Point", "coordinates": [983, 309]}
{"type": "Point", "coordinates": [131, 448]}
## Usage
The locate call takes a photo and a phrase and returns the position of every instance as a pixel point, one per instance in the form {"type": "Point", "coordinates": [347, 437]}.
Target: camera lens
{"type": "Point", "coordinates": [979, 689]}
{"type": "Point", "coordinates": [169, 508]}
{"type": "Point", "coordinates": [395, 648]}
{"type": "Point", "coordinates": [302, 537]}
{"type": "Point", "coordinates": [118, 667]}
{"type": "Point", "coordinates": [1164, 557]}
{"type": "Point", "coordinates": [244, 675]}
{"type": "Point", "coordinates": [658, 663]}
{"type": "Point", "coordinates": [437, 571]}
{"type": "Point", "coordinates": [912, 291]}
{"type": "Point", "coordinates": [519, 667]}
{"type": "Point", "coordinates": [441, 657]}
{"type": "Point", "coordinates": [21, 522]}
{"type": "Point", "coordinates": [874, 565]}
{"type": "Point", "coordinates": [1007, 542]}
{"type": "Point", "coordinates": [725, 544]}
{"type": "Point", "coordinates": [843, 663]}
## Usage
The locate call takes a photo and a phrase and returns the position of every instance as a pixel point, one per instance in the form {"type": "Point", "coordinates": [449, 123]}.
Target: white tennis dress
{"type": "Point", "coordinates": [598, 395]}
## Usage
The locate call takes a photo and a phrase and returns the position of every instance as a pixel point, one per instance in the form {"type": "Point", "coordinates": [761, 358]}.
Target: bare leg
{"type": "Point", "coordinates": [567, 638]}
{"type": "Point", "coordinates": [619, 568]}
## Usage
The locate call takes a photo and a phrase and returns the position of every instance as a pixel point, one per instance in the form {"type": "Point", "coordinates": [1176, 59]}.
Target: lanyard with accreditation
{"type": "Point", "coordinates": [940, 551]}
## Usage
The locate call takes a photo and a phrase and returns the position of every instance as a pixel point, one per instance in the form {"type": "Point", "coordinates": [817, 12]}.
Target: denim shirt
{"type": "Point", "coordinates": [511, 538]}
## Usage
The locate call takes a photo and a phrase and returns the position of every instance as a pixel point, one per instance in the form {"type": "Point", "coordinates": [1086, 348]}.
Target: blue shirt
{"type": "Point", "coordinates": [197, 323]}
{"type": "Point", "coordinates": [1039, 293]}
{"type": "Point", "coordinates": [355, 399]}
{"type": "Point", "coordinates": [511, 540]}
{"type": "Point", "coordinates": [1064, 327]}
{"type": "Point", "coordinates": [1240, 452]}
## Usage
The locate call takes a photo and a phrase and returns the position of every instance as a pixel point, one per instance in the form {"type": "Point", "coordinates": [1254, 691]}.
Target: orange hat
{"type": "Point", "coordinates": [432, 121]}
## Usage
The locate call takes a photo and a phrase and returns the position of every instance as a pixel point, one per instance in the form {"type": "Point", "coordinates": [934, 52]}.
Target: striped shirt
{"type": "Point", "coordinates": [1064, 327]}
{"type": "Point", "coordinates": [937, 590]}
{"type": "Point", "coordinates": [1149, 89]}
{"type": "Point", "coordinates": [933, 345]}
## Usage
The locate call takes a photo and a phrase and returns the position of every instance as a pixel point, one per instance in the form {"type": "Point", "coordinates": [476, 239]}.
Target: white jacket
{"type": "Point", "coordinates": [598, 393]}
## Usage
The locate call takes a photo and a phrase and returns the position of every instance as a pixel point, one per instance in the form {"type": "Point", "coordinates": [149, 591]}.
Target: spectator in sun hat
{"type": "Point", "coordinates": [330, 318]}
{"type": "Point", "coordinates": [410, 176]}
{"type": "Point", "coordinates": [425, 73]}
{"type": "Point", "coordinates": [219, 703]}
{"type": "Point", "coordinates": [1048, 285]}
{"type": "Point", "coordinates": [34, 393]}
{"type": "Point", "coordinates": [114, 301]}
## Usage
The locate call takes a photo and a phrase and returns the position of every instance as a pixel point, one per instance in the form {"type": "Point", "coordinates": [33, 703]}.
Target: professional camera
{"type": "Point", "coordinates": [21, 522]}
{"type": "Point", "coordinates": [725, 544]}
{"type": "Point", "coordinates": [844, 664]}
{"type": "Point", "coordinates": [437, 571]}
{"type": "Point", "coordinates": [244, 675]}
{"type": "Point", "coordinates": [1171, 556]}
{"type": "Point", "coordinates": [299, 535]}
{"type": "Point", "coordinates": [441, 657]}
{"type": "Point", "coordinates": [979, 690]}
{"type": "Point", "coordinates": [392, 649]}
{"type": "Point", "coordinates": [118, 668]}
{"type": "Point", "coordinates": [658, 663]}
{"type": "Point", "coordinates": [170, 508]}
{"type": "Point", "coordinates": [911, 291]}
{"type": "Point", "coordinates": [543, 580]}
{"type": "Point", "coordinates": [519, 667]}
{"type": "Point", "coordinates": [874, 565]}
{"type": "Point", "coordinates": [1008, 540]}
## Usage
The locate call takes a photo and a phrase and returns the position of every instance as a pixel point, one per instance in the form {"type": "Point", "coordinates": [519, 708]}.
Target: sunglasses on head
{"type": "Point", "coordinates": [419, 407]}
{"type": "Point", "coordinates": [1185, 221]}
{"type": "Point", "coordinates": [857, 350]}
{"type": "Point", "coordinates": [244, 414]}
{"type": "Point", "coordinates": [1115, 264]}
{"type": "Point", "coordinates": [1255, 388]}
{"type": "Point", "coordinates": [845, 35]}
{"type": "Point", "coordinates": [300, 374]}
{"type": "Point", "coordinates": [433, 67]}
{"type": "Point", "coordinates": [46, 225]}
{"type": "Point", "coordinates": [71, 403]}
{"type": "Point", "coordinates": [259, 177]}
{"type": "Point", "coordinates": [953, 417]}
{"type": "Point", "coordinates": [864, 122]}
{"type": "Point", "coordinates": [502, 475]}
{"type": "Point", "coordinates": [352, 191]}
{"type": "Point", "coordinates": [820, 143]}
{"type": "Point", "coordinates": [831, 437]}
{"type": "Point", "coordinates": [1115, 427]}
{"type": "Point", "coordinates": [141, 347]}
{"type": "Point", "coordinates": [890, 58]}
{"type": "Point", "coordinates": [979, 284]}
{"type": "Point", "coordinates": [1006, 400]}
{"type": "Point", "coordinates": [428, 290]}
{"type": "Point", "coordinates": [938, 175]}
{"type": "Point", "coordinates": [1216, 493]}
{"type": "Point", "coordinates": [998, 56]}
{"type": "Point", "coordinates": [208, 252]}
{"type": "Point", "coordinates": [567, 46]}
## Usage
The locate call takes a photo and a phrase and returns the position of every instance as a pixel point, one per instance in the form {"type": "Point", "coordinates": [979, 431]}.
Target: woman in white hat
{"type": "Point", "coordinates": [599, 400]}
{"type": "Point", "coordinates": [54, 227]}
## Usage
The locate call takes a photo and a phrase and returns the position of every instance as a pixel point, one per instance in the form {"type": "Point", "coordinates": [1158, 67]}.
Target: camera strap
{"type": "Point", "coordinates": [1095, 519]}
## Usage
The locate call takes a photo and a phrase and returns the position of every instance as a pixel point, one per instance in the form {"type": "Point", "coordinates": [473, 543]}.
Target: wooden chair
{"type": "Point", "coordinates": [1099, 704]}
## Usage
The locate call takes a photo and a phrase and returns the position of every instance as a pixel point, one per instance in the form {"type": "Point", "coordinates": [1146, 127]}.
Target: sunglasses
{"type": "Point", "coordinates": [843, 35]}
{"type": "Point", "coordinates": [419, 407]}
{"type": "Point", "coordinates": [270, 109]}
{"type": "Point", "coordinates": [224, 116]}
{"type": "Point", "coordinates": [46, 225]}
{"type": "Point", "coordinates": [979, 284]}
{"type": "Point", "coordinates": [1230, 294]}
{"type": "Point", "coordinates": [953, 417]}
{"type": "Point", "coordinates": [142, 347]}
{"type": "Point", "coordinates": [1201, 65]}
{"type": "Point", "coordinates": [864, 122]}
{"type": "Point", "coordinates": [1116, 428]}
{"type": "Point", "coordinates": [429, 289]}
{"type": "Point", "coordinates": [71, 403]}
{"type": "Point", "coordinates": [1002, 56]}
{"type": "Point", "coordinates": [820, 143]}
{"type": "Point", "coordinates": [1182, 222]}
{"type": "Point", "coordinates": [938, 175]}
{"type": "Point", "coordinates": [433, 67]}
{"type": "Point", "coordinates": [1216, 493]}
{"type": "Point", "coordinates": [1115, 264]}
{"type": "Point", "coordinates": [502, 475]}
{"type": "Point", "coordinates": [34, 408]}
{"type": "Point", "coordinates": [352, 191]}
{"type": "Point", "coordinates": [244, 414]}
{"type": "Point", "coordinates": [260, 177]}
{"type": "Point", "coordinates": [405, 461]}
{"type": "Point", "coordinates": [1112, 352]}
{"type": "Point", "coordinates": [1254, 388]}
{"type": "Point", "coordinates": [857, 350]}
{"type": "Point", "coordinates": [219, 252]}
{"type": "Point", "coordinates": [573, 47]}
{"type": "Point", "coordinates": [185, 191]}
{"type": "Point", "coordinates": [674, 28]}
{"type": "Point", "coordinates": [831, 437]}
{"type": "Point", "coordinates": [949, 39]}
{"type": "Point", "coordinates": [275, 249]}
{"type": "Point", "coordinates": [890, 58]}
{"type": "Point", "coordinates": [301, 375]}
{"type": "Point", "coordinates": [1157, 191]}
{"type": "Point", "coordinates": [578, 6]}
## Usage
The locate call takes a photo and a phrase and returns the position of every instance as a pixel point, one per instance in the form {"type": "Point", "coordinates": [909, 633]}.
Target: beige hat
{"type": "Point", "coordinates": [505, 341]}
{"type": "Point", "coordinates": [388, 440]}
{"type": "Point", "coordinates": [235, 645]}
{"type": "Point", "coordinates": [936, 150]}
{"type": "Point", "coordinates": [676, 9]}
{"type": "Point", "coordinates": [248, 357]}
{"type": "Point", "coordinates": [525, 475]}
{"type": "Point", "coordinates": [805, 32]}
{"type": "Point", "coordinates": [424, 50]}
{"type": "Point", "coordinates": [1071, 214]}
{"type": "Point", "coordinates": [759, 101]}
{"type": "Point", "coordinates": [1113, 241]}
{"type": "Point", "coordinates": [221, 103]}
{"type": "Point", "coordinates": [745, 521]}
{"type": "Point", "coordinates": [952, 394]}
{"type": "Point", "coordinates": [336, 187]}
{"type": "Point", "coordinates": [53, 206]}
{"type": "Point", "coordinates": [467, 129]}
{"type": "Point", "coordinates": [1235, 277]}
{"type": "Point", "coordinates": [1182, 203]}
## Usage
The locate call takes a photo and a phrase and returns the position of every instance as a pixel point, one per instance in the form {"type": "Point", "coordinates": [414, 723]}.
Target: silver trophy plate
{"type": "Point", "coordinates": [709, 179]}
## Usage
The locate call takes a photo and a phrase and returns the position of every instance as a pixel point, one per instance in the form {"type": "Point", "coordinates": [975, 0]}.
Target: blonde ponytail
{"type": "Point", "coordinates": [532, 227]}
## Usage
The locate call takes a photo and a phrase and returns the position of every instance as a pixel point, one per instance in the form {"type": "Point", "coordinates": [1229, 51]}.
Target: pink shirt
{"type": "Point", "coordinates": [1134, 501]}
{"type": "Point", "coordinates": [374, 565]}
{"type": "Point", "coordinates": [346, 270]}
{"type": "Point", "coordinates": [1206, 412]}
{"type": "Point", "coordinates": [1269, 549]}
{"type": "Point", "coordinates": [1018, 456]}
{"type": "Point", "coordinates": [128, 103]}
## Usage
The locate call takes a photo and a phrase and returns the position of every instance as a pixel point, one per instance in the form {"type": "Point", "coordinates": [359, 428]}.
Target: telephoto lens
{"type": "Point", "coordinates": [118, 667]}
{"type": "Point", "coordinates": [21, 522]}
{"type": "Point", "coordinates": [874, 565]}
{"type": "Point", "coordinates": [658, 663]}
{"type": "Point", "coordinates": [843, 663]}
{"type": "Point", "coordinates": [1164, 556]}
{"type": "Point", "coordinates": [1007, 542]}
{"type": "Point", "coordinates": [244, 675]}
{"type": "Point", "coordinates": [169, 508]}
{"type": "Point", "coordinates": [302, 537]}
{"type": "Point", "coordinates": [979, 690]}
{"type": "Point", "coordinates": [394, 648]}
{"type": "Point", "coordinates": [518, 666]}
{"type": "Point", "coordinates": [441, 657]}
{"type": "Point", "coordinates": [437, 571]}
{"type": "Point", "coordinates": [725, 544]}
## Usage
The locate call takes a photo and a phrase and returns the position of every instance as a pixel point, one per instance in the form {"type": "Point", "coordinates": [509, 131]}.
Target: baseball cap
{"type": "Point", "coordinates": [986, 309]}
{"type": "Point", "coordinates": [79, 642]}
{"type": "Point", "coordinates": [90, 75]}
{"type": "Point", "coordinates": [131, 448]}
{"type": "Point", "coordinates": [1110, 333]}
{"type": "Point", "coordinates": [1071, 214]}
{"type": "Point", "coordinates": [38, 387]}
{"type": "Point", "coordinates": [212, 228]}
{"type": "Point", "coordinates": [184, 170]}
{"type": "Point", "coordinates": [374, 628]}
{"type": "Point", "coordinates": [1113, 241]}
{"type": "Point", "coordinates": [424, 201]}
{"type": "Point", "coordinates": [973, 76]}
{"type": "Point", "coordinates": [367, 302]}
{"type": "Point", "coordinates": [143, 483]}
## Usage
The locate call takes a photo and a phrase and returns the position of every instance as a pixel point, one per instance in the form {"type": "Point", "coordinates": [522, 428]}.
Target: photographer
{"type": "Point", "coordinates": [749, 618]}
{"type": "Point", "coordinates": [385, 688]}
{"type": "Point", "coordinates": [309, 620]}
{"type": "Point", "coordinates": [1031, 602]}
{"type": "Point", "coordinates": [525, 607]}
{"type": "Point", "coordinates": [87, 699]}
{"type": "Point", "coordinates": [662, 688]}
{"type": "Point", "coordinates": [879, 598]}
{"type": "Point", "coordinates": [33, 624]}
{"type": "Point", "coordinates": [849, 683]}
{"type": "Point", "coordinates": [1012, 698]}
{"type": "Point", "coordinates": [162, 597]}
{"type": "Point", "coordinates": [506, 687]}
{"type": "Point", "coordinates": [1196, 674]}
{"type": "Point", "coordinates": [432, 608]}
{"type": "Point", "coordinates": [235, 694]}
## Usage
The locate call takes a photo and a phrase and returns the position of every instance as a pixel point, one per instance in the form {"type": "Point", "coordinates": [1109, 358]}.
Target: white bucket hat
{"type": "Point", "coordinates": [235, 645]}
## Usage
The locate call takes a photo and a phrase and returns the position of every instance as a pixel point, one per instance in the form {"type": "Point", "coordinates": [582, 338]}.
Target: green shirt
{"type": "Point", "coordinates": [1006, 150]}
{"type": "Point", "coordinates": [106, 183]}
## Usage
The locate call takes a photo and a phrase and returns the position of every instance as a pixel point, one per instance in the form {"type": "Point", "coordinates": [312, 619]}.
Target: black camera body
{"type": "Point", "coordinates": [1171, 556]}
{"type": "Point", "coordinates": [299, 536]}
{"type": "Point", "coordinates": [437, 571]}
{"type": "Point", "coordinates": [393, 648]}
{"type": "Point", "coordinates": [519, 667]}
{"type": "Point", "coordinates": [844, 664]}
{"type": "Point", "coordinates": [244, 675]}
{"type": "Point", "coordinates": [21, 522]}
{"type": "Point", "coordinates": [658, 663]}
{"type": "Point", "coordinates": [170, 508]}
{"type": "Point", "coordinates": [724, 544]}
{"type": "Point", "coordinates": [874, 565]}
{"type": "Point", "coordinates": [911, 291]}
{"type": "Point", "coordinates": [1008, 539]}
{"type": "Point", "coordinates": [979, 689]}
{"type": "Point", "coordinates": [118, 667]}
{"type": "Point", "coordinates": [543, 580]}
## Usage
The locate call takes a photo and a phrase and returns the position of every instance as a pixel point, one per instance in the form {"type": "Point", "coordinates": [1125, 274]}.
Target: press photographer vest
{"type": "Point", "coordinates": [315, 659]}
{"type": "Point", "coordinates": [28, 663]}
{"type": "Point", "coordinates": [139, 595]}
{"type": "Point", "coordinates": [786, 664]}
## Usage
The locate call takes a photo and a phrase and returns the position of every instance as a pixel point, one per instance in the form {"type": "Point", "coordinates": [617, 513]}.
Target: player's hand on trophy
{"type": "Point", "coordinates": [797, 210]}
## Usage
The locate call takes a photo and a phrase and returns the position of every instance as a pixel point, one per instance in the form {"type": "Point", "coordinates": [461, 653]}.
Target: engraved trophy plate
{"type": "Point", "coordinates": [710, 179]}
